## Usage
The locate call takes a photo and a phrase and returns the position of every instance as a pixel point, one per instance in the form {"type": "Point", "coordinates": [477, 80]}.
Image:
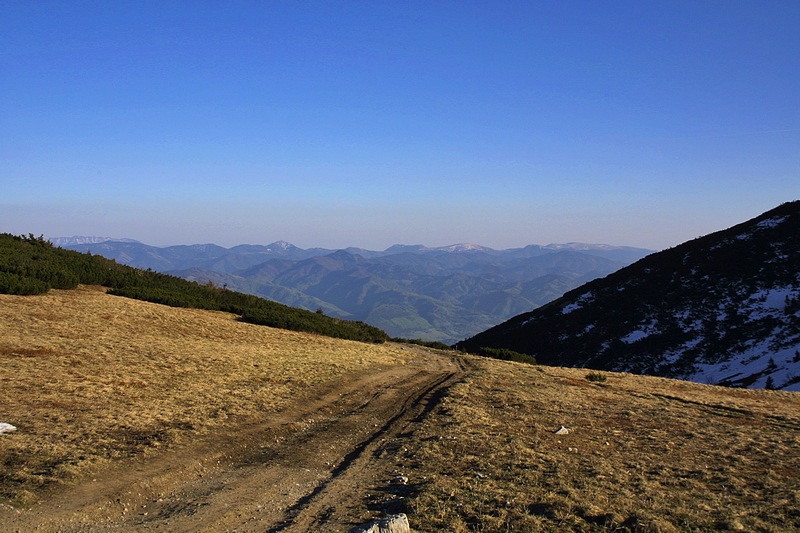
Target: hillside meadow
{"type": "Point", "coordinates": [641, 454]}
{"type": "Point", "coordinates": [88, 377]}
{"type": "Point", "coordinates": [91, 379]}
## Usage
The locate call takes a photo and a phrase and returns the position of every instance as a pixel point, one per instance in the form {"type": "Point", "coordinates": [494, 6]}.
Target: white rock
{"type": "Point", "coordinates": [563, 431]}
{"type": "Point", "coordinates": [6, 428]}
{"type": "Point", "coordinates": [391, 524]}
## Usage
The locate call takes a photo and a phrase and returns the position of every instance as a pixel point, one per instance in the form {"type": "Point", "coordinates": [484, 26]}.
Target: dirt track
{"type": "Point", "coordinates": [325, 463]}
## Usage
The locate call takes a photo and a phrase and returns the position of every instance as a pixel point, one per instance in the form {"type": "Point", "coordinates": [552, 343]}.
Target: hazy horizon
{"type": "Point", "coordinates": [336, 124]}
{"type": "Point", "coordinates": [155, 237]}
{"type": "Point", "coordinates": [121, 238]}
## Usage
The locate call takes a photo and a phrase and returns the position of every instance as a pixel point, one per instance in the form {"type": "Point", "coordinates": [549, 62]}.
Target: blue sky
{"type": "Point", "coordinates": [372, 123]}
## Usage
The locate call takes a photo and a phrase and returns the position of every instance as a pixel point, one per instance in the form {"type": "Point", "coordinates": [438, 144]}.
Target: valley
{"type": "Point", "coordinates": [440, 294]}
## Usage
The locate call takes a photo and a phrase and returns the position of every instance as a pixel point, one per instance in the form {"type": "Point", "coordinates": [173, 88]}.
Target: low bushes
{"type": "Point", "coordinates": [505, 354]}
{"type": "Point", "coordinates": [31, 265]}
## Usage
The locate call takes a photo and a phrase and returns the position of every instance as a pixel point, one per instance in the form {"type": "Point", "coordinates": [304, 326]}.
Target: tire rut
{"type": "Point", "coordinates": [317, 511]}
{"type": "Point", "coordinates": [308, 469]}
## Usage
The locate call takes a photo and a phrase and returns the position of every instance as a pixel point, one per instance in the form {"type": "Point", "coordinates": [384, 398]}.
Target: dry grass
{"type": "Point", "coordinates": [644, 454]}
{"type": "Point", "coordinates": [88, 377]}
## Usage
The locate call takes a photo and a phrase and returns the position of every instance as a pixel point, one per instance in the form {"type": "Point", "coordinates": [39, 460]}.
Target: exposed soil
{"type": "Point", "coordinates": [312, 467]}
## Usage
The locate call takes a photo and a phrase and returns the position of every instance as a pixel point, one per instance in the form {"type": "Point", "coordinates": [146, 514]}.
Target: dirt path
{"type": "Point", "coordinates": [320, 465]}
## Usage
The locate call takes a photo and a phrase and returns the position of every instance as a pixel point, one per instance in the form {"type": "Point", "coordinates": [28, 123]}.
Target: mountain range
{"type": "Point", "coordinates": [441, 294]}
{"type": "Point", "coordinates": [721, 309]}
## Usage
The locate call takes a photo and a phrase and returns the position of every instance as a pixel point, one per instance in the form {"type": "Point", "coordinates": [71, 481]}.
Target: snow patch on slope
{"type": "Point", "coordinates": [758, 365]}
{"type": "Point", "coordinates": [577, 304]}
{"type": "Point", "coordinates": [771, 222]}
{"type": "Point", "coordinates": [641, 333]}
{"type": "Point", "coordinates": [767, 360]}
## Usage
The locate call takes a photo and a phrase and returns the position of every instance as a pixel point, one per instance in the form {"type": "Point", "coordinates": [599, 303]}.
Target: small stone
{"type": "Point", "coordinates": [563, 431]}
{"type": "Point", "coordinates": [391, 524]}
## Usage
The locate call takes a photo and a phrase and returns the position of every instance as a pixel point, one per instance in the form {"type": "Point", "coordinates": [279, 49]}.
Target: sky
{"type": "Point", "coordinates": [371, 123]}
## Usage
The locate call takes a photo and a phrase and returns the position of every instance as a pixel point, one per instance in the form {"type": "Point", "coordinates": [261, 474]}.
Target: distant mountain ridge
{"type": "Point", "coordinates": [31, 266]}
{"type": "Point", "coordinates": [77, 240]}
{"type": "Point", "coordinates": [443, 294]}
{"type": "Point", "coordinates": [721, 309]}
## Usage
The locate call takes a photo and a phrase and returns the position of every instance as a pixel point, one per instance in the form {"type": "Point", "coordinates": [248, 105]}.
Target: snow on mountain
{"type": "Point", "coordinates": [722, 309]}
{"type": "Point", "coordinates": [464, 247]}
{"type": "Point", "coordinates": [770, 360]}
{"type": "Point", "coordinates": [76, 240]}
{"type": "Point", "coordinates": [579, 246]}
{"type": "Point", "coordinates": [280, 245]}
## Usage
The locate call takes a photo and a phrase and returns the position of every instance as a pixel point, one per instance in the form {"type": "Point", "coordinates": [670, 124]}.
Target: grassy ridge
{"type": "Point", "coordinates": [643, 455]}
{"type": "Point", "coordinates": [31, 265]}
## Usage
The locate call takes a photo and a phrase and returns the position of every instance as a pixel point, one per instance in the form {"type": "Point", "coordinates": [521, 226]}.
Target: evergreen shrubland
{"type": "Point", "coordinates": [32, 265]}
{"type": "Point", "coordinates": [436, 345]}
{"type": "Point", "coordinates": [504, 354]}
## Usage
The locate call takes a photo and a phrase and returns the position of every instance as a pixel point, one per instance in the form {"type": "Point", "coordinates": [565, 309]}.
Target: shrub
{"type": "Point", "coordinates": [596, 377]}
{"type": "Point", "coordinates": [437, 345]}
{"type": "Point", "coordinates": [23, 286]}
{"type": "Point", "coordinates": [504, 354]}
{"type": "Point", "coordinates": [31, 265]}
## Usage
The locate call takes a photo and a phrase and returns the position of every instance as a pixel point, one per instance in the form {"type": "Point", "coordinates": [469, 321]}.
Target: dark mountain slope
{"type": "Point", "coordinates": [724, 308]}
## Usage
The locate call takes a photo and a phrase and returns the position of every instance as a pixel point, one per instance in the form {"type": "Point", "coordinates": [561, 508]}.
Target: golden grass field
{"type": "Point", "coordinates": [90, 379]}
{"type": "Point", "coordinates": [644, 454]}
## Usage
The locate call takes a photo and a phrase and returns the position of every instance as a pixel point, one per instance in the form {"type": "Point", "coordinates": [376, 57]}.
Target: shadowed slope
{"type": "Point", "coordinates": [724, 308]}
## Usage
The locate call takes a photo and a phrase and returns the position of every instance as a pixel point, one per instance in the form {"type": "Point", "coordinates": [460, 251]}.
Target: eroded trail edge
{"type": "Point", "coordinates": [319, 465]}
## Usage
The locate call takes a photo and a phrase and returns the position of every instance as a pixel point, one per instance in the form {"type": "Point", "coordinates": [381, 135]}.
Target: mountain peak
{"type": "Point", "coordinates": [281, 246]}
{"type": "Point", "coordinates": [464, 247]}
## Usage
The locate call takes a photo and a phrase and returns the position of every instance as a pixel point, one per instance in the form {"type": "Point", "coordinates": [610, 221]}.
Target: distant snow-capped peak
{"type": "Point", "coordinates": [76, 239]}
{"type": "Point", "coordinates": [463, 247]}
{"type": "Point", "coordinates": [281, 245]}
{"type": "Point", "coordinates": [579, 246]}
